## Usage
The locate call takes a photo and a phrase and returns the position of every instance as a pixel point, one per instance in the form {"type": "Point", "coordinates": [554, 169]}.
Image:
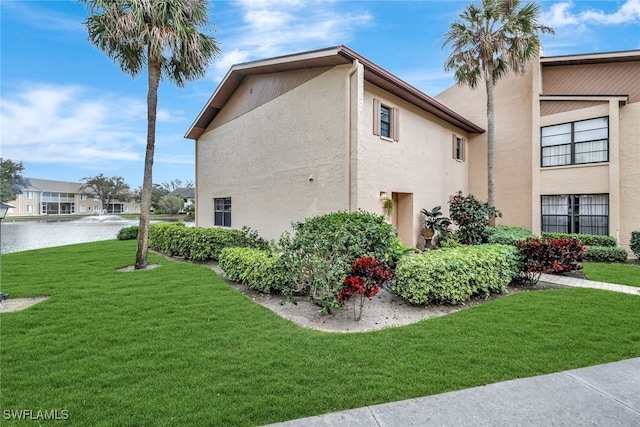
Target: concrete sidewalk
{"type": "Point", "coordinates": [604, 395]}
{"type": "Point", "coordinates": [581, 283]}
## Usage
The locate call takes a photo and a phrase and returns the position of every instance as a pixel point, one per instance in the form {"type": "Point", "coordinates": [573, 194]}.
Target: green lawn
{"type": "Point", "coordinates": [177, 346]}
{"type": "Point", "coordinates": [622, 274]}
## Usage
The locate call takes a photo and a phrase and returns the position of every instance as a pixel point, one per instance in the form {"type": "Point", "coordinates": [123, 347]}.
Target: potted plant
{"type": "Point", "coordinates": [434, 222]}
{"type": "Point", "coordinates": [387, 205]}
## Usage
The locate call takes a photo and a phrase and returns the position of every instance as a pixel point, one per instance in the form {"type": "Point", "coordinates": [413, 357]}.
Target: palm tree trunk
{"type": "Point", "coordinates": [147, 182]}
{"type": "Point", "coordinates": [491, 146]}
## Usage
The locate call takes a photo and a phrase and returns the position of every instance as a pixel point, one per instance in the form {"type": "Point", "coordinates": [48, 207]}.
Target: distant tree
{"type": "Point", "coordinates": [157, 192]}
{"type": "Point", "coordinates": [174, 184]}
{"type": "Point", "coordinates": [171, 204]}
{"type": "Point", "coordinates": [108, 190]}
{"type": "Point", "coordinates": [11, 180]}
{"type": "Point", "coordinates": [486, 44]}
{"type": "Point", "coordinates": [164, 38]}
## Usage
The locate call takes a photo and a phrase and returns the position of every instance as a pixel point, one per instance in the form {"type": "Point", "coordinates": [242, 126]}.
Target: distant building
{"type": "Point", "coordinates": [48, 197]}
{"type": "Point", "coordinates": [188, 195]}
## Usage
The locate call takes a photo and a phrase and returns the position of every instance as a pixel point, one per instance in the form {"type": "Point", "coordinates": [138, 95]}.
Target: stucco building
{"type": "Point", "coordinates": [287, 138]}
{"type": "Point", "coordinates": [567, 144]}
{"type": "Point", "coordinates": [49, 197]}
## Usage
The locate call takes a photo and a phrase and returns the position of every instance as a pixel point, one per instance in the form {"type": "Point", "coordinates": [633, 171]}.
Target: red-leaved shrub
{"type": "Point", "coordinates": [548, 256]}
{"type": "Point", "coordinates": [367, 276]}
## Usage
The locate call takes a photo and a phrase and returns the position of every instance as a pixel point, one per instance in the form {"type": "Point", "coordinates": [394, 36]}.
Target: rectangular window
{"type": "Point", "coordinates": [96, 198]}
{"type": "Point", "coordinates": [576, 213]}
{"type": "Point", "coordinates": [96, 209]}
{"type": "Point", "coordinates": [28, 195]}
{"type": "Point", "coordinates": [29, 208]}
{"type": "Point", "coordinates": [222, 212]}
{"type": "Point", "coordinates": [83, 197]}
{"type": "Point", "coordinates": [83, 209]}
{"type": "Point", "coordinates": [386, 121]}
{"type": "Point", "coordinates": [458, 148]}
{"type": "Point", "coordinates": [575, 143]}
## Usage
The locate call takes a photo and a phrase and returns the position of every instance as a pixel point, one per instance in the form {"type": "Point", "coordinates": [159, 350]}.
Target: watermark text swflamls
{"type": "Point", "coordinates": [37, 414]}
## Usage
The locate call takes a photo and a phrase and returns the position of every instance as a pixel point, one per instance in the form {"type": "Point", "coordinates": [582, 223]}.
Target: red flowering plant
{"type": "Point", "coordinates": [367, 276]}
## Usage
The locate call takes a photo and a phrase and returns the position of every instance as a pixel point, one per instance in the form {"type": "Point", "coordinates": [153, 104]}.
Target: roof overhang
{"type": "Point", "coordinates": [339, 55]}
{"type": "Point", "coordinates": [591, 58]}
{"type": "Point", "coordinates": [622, 99]}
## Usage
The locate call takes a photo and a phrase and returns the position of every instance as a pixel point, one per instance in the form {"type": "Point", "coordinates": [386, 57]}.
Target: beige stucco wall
{"type": "Point", "coordinates": [629, 172]}
{"type": "Point", "coordinates": [283, 161]}
{"type": "Point", "coordinates": [420, 164]}
{"type": "Point", "coordinates": [515, 114]}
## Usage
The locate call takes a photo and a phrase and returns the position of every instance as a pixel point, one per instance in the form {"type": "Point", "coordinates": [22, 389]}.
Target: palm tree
{"type": "Point", "coordinates": [487, 43]}
{"type": "Point", "coordinates": [164, 37]}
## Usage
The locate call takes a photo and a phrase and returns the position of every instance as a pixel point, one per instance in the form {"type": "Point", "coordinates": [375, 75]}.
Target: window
{"type": "Point", "coordinates": [576, 143]}
{"type": "Point", "coordinates": [29, 208]}
{"type": "Point", "coordinates": [96, 198]}
{"type": "Point", "coordinates": [83, 197]}
{"type": "Point", "coordinates": [222, 212]}
{"type": "Point", "coordinates": [386, 121]}
{"type": "Point", "coordinates": [96, 209]}
{"type": "Point", "coordinates": [458, 148]}
{"type": "Point", "coordinates": [83, 209]}
{"type": "Point", "coordinates": [579, 213]}
{"type": "Point", "coordinates": [28, 195]}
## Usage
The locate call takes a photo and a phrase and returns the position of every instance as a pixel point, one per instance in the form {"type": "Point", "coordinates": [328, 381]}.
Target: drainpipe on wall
{"type": "Point", "coordinates": [349, 144]}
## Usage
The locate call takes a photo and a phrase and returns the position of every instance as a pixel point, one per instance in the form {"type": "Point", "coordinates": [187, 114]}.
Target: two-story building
{"type": "Point", "coordinates": [48, 197]}
{"type": "Point", "coordinates": [288, 138]}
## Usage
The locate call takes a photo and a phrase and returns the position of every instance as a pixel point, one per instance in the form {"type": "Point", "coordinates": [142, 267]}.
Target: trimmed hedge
{"type": "Point", "coordinates": [505, 234]}
{"type": "Point", "coordinates": [605, 254]}
{"type": "Point", "coordinates": [200, 244]}
{"type": "Point", "coordinates": [453, 276]}
{"type": "Point", "coordinates": [586, 239]}
{"type": "Point", "coordinates": [635, 243]}
{"type": "Point", "coordinates": [128, 233]}
{"type": "Point", "coordinates": [256, 268]}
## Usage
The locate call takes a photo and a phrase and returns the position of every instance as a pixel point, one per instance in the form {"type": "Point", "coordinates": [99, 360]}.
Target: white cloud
{"type": "Point", "coordinates": [271, 28]}
{"type": "Point", "coordinates": [563, 14]}
{"type": "Point", "coordinates": [73, 124]}
{"type": "Point", "coordinates": [40, 18]}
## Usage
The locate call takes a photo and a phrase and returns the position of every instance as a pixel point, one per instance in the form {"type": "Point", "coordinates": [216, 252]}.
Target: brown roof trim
{"type": "Point", "coordinates": [333, 56]}
{"type": "Point", "coordinates": [622, 99]}
{"type": "Point", "coordinates": [592, 58]}
{"type": "Point", "coordinates": [387, 81]}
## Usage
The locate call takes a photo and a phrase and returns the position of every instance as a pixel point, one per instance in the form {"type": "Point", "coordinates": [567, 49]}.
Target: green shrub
{"type": "Point", "coordinates": [168, 238]}
{"type": "Point", "coordinates": [255, 268]}
{"type": "Point", "coordinates": [635, 243]}
{"type": "Point", "coordinates": [605, 254]}
{"type": "Point", "coordinates": [200, 244]}
{"type": "Point", "coordinates": [454, 275]}
{"type": "Point", "coordinates": [128, 233]}
{"type": "Point", "coordinates": [586, 239]}
{"type": "Point", "coordinates": [471, 216]}
{"type": "Point", "coordinates": [318, 257]}
{"type": "Point", "coordinates": [505, 235]}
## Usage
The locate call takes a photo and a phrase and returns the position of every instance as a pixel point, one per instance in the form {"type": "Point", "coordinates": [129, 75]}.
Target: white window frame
{"type": "Point", "coordinates": [458, 148]}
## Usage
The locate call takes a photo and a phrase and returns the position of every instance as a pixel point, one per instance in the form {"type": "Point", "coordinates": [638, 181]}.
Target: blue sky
{"type": "Point", "coordinates": [68, 112]}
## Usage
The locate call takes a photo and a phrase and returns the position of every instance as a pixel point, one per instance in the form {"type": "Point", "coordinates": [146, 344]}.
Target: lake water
{"type": "Point", "coordinates": [22, 236]}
